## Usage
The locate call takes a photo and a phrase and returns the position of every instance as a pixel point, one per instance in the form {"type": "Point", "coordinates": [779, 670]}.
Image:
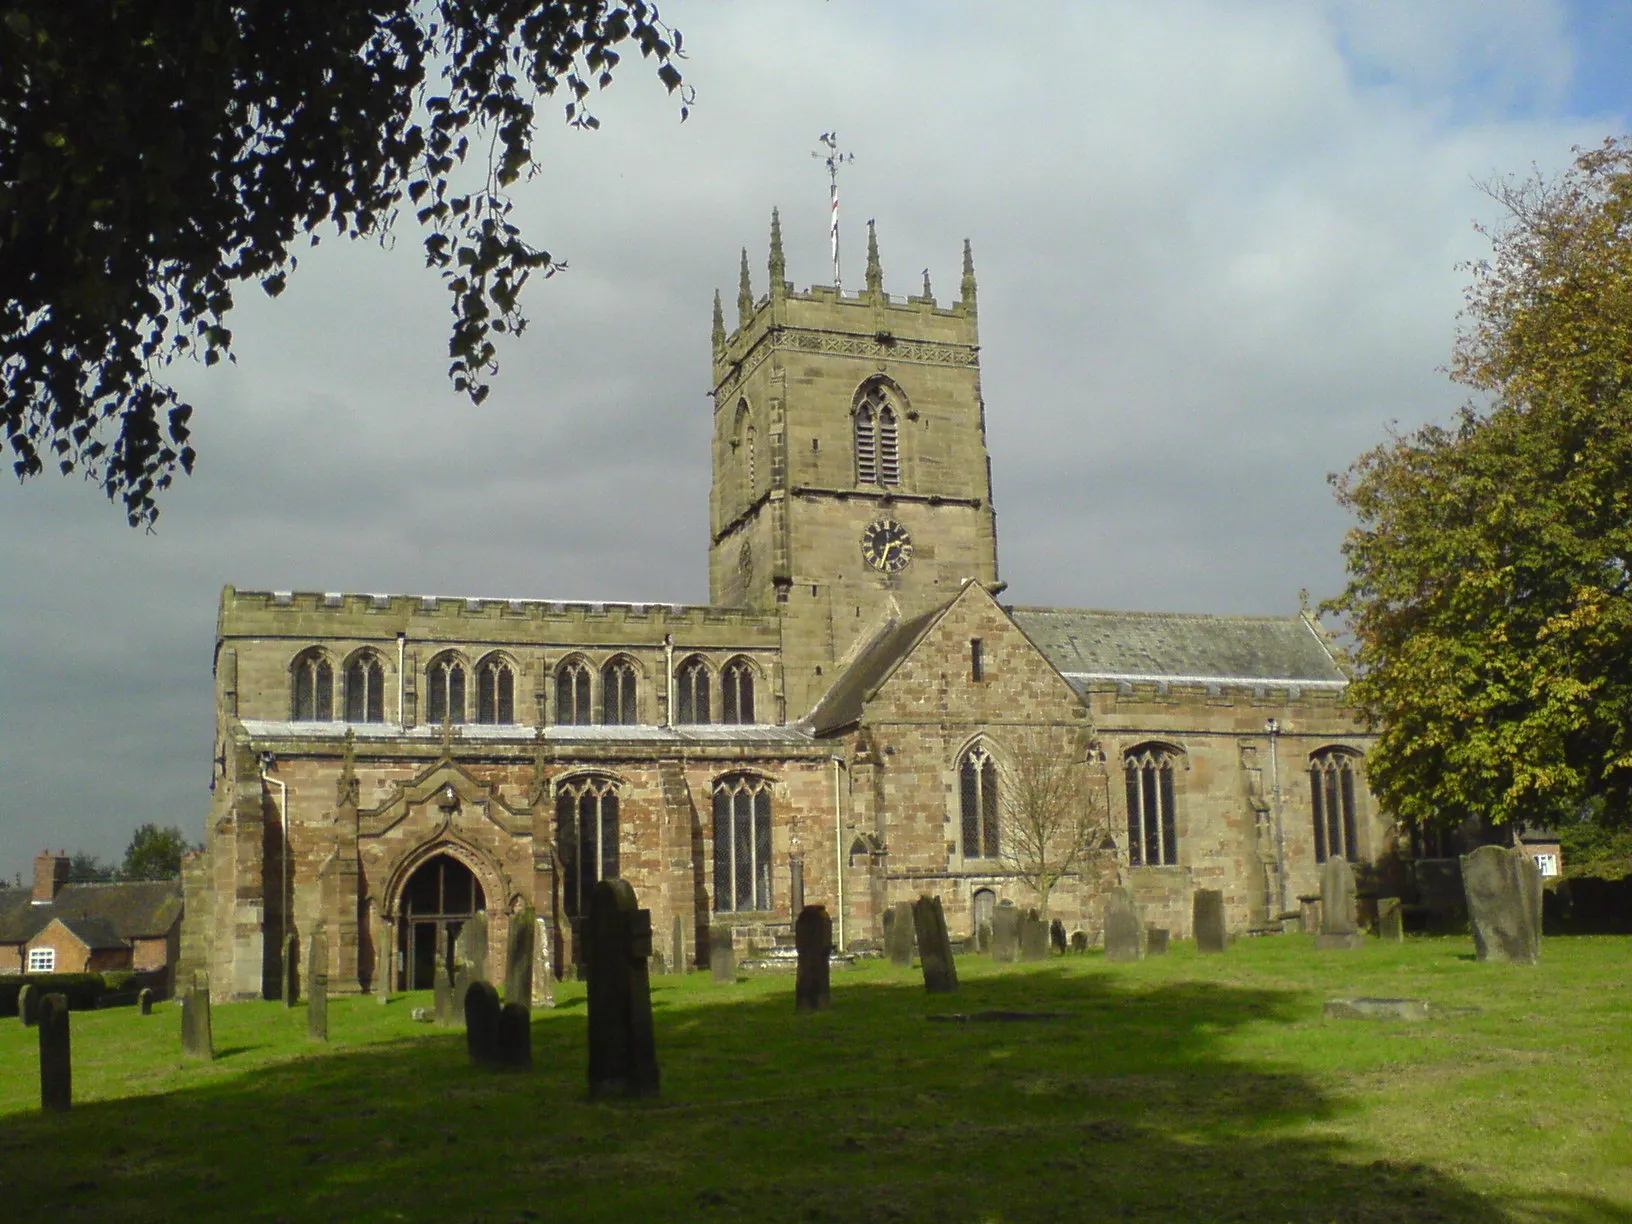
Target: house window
{"type": "Point", "coordinates": [737, 692]}
{"type": "Point", "coordinates": [446, 700]}
{"type": "Point", "coordinates": [1331, 798]}
{"type": "Point", "coordinates": [1153, 839]}
{"type": "Point", "coordinates": [42, 960]}
{"type": "Point", "coordinates": [572, 706]}
{"type": "Point", "coordinates": [495, 692]}
{"type": "Point", "coordinates": [977, 801]}
{"type": "Point", "coordinates": [878, 440]}
{"type": "Point", "coordinates": [365, 690]}
{"type": "Point", "coordinates": [742, 843]}
{"type": "Point", "coordinates": [619, 694]}
{"type": "Point", "coordinates": [691, 692]}
{"type": "Point", "coordinates": [1547, 864]}
{"type": "Point", "coordinates": [586, 838]}
{"type": "Point", "coordinates": [312, 681]}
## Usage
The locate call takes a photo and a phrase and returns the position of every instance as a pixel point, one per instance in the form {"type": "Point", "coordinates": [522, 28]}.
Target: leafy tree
{"type": "Point", "coordinates": [86, 868]}
{"type": "Point", "coordinates": [154, 154]}
{"type": "Point", "coordinates": [1051, 814]}
{"type": "Point", "coordinates": [154, 854]}
{"type": "Point", "coordinates": [1488, 591]}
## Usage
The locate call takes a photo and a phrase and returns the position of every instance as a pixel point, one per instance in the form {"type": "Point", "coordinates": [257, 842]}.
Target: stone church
{"type": "Point", "coordinates": [847, 722]}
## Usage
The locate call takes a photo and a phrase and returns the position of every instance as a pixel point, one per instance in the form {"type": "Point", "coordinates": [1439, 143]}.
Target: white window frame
{"type": "Point", "coordinates": [1547, 864]}
{"type": "Point", "coordinates": [42, 960]}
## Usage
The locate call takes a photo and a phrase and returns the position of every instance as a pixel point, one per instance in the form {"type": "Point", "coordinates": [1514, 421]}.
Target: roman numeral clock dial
{"type": "Point", "coordinates": [886, 546]}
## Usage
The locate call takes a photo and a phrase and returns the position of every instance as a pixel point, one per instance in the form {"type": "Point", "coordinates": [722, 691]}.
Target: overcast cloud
{"type": "Point", "coordinates": [1217, 246]}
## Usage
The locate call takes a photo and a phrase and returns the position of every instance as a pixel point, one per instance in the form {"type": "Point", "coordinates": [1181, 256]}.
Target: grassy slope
{"type": "Point", "coordinates": [1178, 1089]}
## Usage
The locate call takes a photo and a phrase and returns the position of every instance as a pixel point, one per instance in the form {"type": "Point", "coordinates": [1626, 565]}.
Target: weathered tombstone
{"type": "Point", "coordinates": [28, 1005]}
{"type": "Point", "coordinates": [983, 936]}
{"type": "Point", "coordinates": [464, 976]}
{"type": "Point", "coordinates": [543, 968]}
{"type": "Point", "coordinates": [1309, 914]}
{"type": "Point", "coordinates": [1056, 936]}
{"type": "Point", "coordinates": [197, 1038]}
{"type": "Point", "coordinates": [470, 948]}
{"type": "Point", "coordinates": [1155, 940]}
{"type": "Point", "coordinates": [1338, 928]}
{"type": "Point", "coordinates": [443, 999]}
{"type": "Point", "coordinates": [482, 1023]}
{"type": "Point", "coordinates": [144, 1001]}
{"type": "Point", "coordinates": [813, 936]}
{"type": "Point", "coordinates": [1079, 941]}
{"type": "Point", "coordinates": [1390, 920]}
{"type": "Point", "coordinates": [677, 946]}
{"type": "Point", "coordinates": [934, 946]}
{"type": "Point", "coordinates": [900, 928]}
{"type": "Point", "coordinates": [56, 1057]}
{"type": "Point", "coordinates": [518, 958]}
{"type": "Point", "coordinates": [291, 971]}
{"type": "Point", "coordinates": [1033, 937]}
{"type": "Point", "coordinates": [1504, 904]}
{"type": "Point", "coordinates": [622, 1044]}
{"type": "Point", "coordinates": [722, 955]}
{"type": "Point", "coordinates": [1207, 917]}
{"type": "Point", "coordinates": [1006, 933]}
{"type": "Point", "coordinates": [1124, 927]}
{"type": "Point", "coordinates": [317, 986]}
{"type": "Point", "coordinates": [796, 885]}
{"type": "Point", "coordinates": [516, 1037]}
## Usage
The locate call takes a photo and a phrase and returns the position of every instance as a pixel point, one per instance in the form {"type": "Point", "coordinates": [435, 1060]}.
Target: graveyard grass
{"type": "Point", "coordinates": [1176, 1089]}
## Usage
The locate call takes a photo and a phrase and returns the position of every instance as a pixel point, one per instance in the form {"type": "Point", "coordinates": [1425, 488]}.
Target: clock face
{"type": "Point", "coordinates": [886, 546]}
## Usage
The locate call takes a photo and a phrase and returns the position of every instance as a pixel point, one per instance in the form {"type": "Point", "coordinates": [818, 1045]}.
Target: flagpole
{"type": "Point", "coordinates": [834, 160]}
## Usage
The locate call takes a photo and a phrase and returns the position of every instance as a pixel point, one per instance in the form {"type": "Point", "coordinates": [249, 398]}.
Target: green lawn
{"type": "Point", "coordinates": [1180, 1089]}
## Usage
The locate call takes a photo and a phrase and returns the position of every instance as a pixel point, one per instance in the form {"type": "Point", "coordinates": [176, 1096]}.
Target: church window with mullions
{"type": "Point", "coordinates": [1153, 839]}
{"type": "Point", "coordinates": [495, 691]}
{"type": "Point", "coordinates": [365, 689]}
{"type": "Point", "coordinates": [445, 698]}
{"type": "Point", "coordinates": [878, 440]}
{"type": "Point", "coordinates": [1332, 797]}
{"type": "Point", "coordinates": [978, 804]}
{"type": "Point", "coordinates": [742, 843]}
{"type": "Point", "coordinates": [586, 838]}
{"type": "Point", "coordinates": [312, 679]}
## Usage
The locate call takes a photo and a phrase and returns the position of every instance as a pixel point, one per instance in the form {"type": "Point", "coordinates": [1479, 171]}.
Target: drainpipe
{"type": "Point", "coordinates": [668, 679]}
{"type": "Point", "coordinates": [267, 761]}
{"type": "Point", "coordinates": [838, 850]}
{"type": "Point", "coordinates": [1273, 730]}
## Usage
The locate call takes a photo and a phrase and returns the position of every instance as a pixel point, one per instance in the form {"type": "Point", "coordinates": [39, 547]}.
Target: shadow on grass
{"type": "Point", "coordinates": [1127, 1107]}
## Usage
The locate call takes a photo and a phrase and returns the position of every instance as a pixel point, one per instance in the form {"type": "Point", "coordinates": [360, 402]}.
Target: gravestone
{"type": "Point", "coordinates": [144, 1001]}
{"type": "Point", "coordinates": [56, 1057]}
{"type": "Point", "coordinates": [464, 976]}
{"type": "Point", "coordinates": [543, 967]}
{"type": "Point", "coordinates": [482, 1023]}
{"type": "Point", "coordinates": [983, 937]}
{"type": "Point", "coordinates": [516, 1037]}
{"type": "Point", "coordinates": [1207, 917]}
{"type": "Point", "coordinates": [1033, 937]}
{"type": "Point", "coordinates": [796, 885]}
{"type": "Point", "coordinates": [291, 971]}
{"type": "Point", "coordinates": [622, 1044]}
{"type": "Point", "coordinates": [934, 946]}
{"type": "Point", "coordinates": [1503, 889]}
{"type": "Point", "coordinates": [1155, 940]}
{"type": "Point", "coordinates": [197, 1038]}
{"type": "Point", "coordinates": [1338, 928]}
{"type": "Point", "coordinates": [1079, 941]}
{"type": "Point", "coordinates": [722, 956]}
{"type": "Point", "coordinates": [677, 946]}
{"type": "Point", "coordinates": [317, 986]}
{"type": "Point", "coordinates": [1124, 927]}
{"type": "Point", "coordinates": [813, 936]}
{"type": "Point", "coordinates": [1390, 920]}
{"type": "Point", "coordinates": [470, 948]}
{"type": "Point", "coordinates": [443, 998]}
{"type": "Point", "coordinates": [518, 957]}
{"type": "Point", "coordinates": [1056, 936]}
{"type": "Point", "coordinates": [1377, 1009]}
{"type": "Point", "coordinates": [900, 930]}
{"type": "Point", "coordinates": [1006, 933]}
{"type": "Point", "coordinates": [28, 1005]}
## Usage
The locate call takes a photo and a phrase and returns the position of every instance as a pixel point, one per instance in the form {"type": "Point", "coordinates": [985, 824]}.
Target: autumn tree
{"type": "Point", "coordinates": [1051, 811]}
{"type": "Point", "coordinates": [157, 154]}
{"type": "Point", "coordinates": [1488, 592]}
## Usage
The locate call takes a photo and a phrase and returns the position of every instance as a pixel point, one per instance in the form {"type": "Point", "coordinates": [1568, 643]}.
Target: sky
{"type": "Point", "coordinates": [1218, 247]}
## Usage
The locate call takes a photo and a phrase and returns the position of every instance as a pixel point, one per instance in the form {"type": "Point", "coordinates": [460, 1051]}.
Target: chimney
{"type": "Point", "coordinates": [50, 874]}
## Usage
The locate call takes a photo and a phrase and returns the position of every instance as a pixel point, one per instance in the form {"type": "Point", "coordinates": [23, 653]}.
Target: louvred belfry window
{"type": "Point", "coordinates": [1153, 839]}
{"type": "Point", "coordinates": [866, 444]}
{"type": "Point", "coordinates": [878, 440]}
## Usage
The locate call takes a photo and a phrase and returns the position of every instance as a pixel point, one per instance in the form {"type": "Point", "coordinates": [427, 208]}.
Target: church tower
{"type": "Point", "coordinates": [851, 478]}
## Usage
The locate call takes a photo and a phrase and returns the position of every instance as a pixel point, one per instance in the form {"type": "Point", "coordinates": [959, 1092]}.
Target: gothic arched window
{"type": "Point", "coordinates": [691, 692]}
{"type": "Point", "coordinates": [365, 688]}
{"type": "Point", "coordinates": [619, 693]}
{"type": "Point", "coordinates": [445, 690]}
{"type": "Point", "coordinates": [737, 692]}
{"type": "Point", "coordinates": [311, 679]}
{"type": "Point", "coordinates": [572, 707]}
{"type": "Point", "coordinates": [978, 804]}
{"type": "Point", "coordinates": [1332, 798]}
{"type": "Point", "coordinates": [586, 838]}
{"type": "Point", "coordinates": [495, 691]}
{"type": "Point", "coordinates": [742, 843]}
{"type": "Point", "coordinates": [1153, 839]}
{"type": "Point", "coordinates": [866, 443]}
{"type": "Point", "coordinates": [878, 439]}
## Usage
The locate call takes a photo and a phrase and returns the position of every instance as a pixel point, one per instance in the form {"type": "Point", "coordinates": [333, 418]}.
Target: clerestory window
{"type": "Point", "coordinates": [311, 679]}
{"type": "Point", "coordinates": [691, 692]}
{"type": "Point", "coordinates": [737, 692]}
{"type": "Point", "coordinates": [365, 689]}
{"type": "Point", "coordinates": [572, 684]}
{"type": "Point", "coordinates": [495, 691]}
{"type": "Point", "coordinates": [619, 695]}
{"type": "Point", "coordinates": [445, 690]}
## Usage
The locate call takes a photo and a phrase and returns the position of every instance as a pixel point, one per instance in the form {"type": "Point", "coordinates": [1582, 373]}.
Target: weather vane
{"type": "Point", "coordinates": [834, 159]}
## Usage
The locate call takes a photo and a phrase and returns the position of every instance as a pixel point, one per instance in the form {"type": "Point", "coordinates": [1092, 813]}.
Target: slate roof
{"type": "Point", "coordinates": [94, 933]}
{"type": "Point", "coordinates": [144, 909]}
{"type": "Point", "coordinates": [842, 704]}
{"type": "Point", "coordinates": [1164, 646]}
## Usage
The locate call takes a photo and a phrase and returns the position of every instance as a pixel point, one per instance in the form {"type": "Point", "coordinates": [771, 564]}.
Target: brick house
{"type": "Point", "coordinates": [840, 725]}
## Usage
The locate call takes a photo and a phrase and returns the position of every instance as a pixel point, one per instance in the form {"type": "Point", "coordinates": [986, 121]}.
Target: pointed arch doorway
{"type": "Point", "coordinates": [437, 901]}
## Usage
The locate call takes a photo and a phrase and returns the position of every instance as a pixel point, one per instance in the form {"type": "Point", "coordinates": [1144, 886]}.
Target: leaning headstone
{"type": "Point", "coordinates": [1390, 920]}
{"type": "Point", "coordinates": [1079, 941]}
{"type": "Point", "coordinates": [317, 986]}
{"type": "Point", "coordinates": [1338, 928]}
{"type": "Point", "coordinates": [518, 958]}
{"type": "Point", "coordinates": [1056, 936]}
{"type": "Point", "coordinates": [722, 955]}
{"type": "Point", "coordinates": [900, 927]}
{"type": "Point", "coordinates": [516, 1037]}
{"type": "Point", "coordinates": [543, 966]}
{"type": "Point", "coordinates": [56, 1058]}
{"type": "Point", "coordinates": [934, 946]}
{"type": "Point", "coordinates": [144, 1001]}
{"type": "Point", "coordinates": [197, 1038]}
{"type": "Point", "coordinates": [1124, 927]}
{"type": "Point", "coordinates": [482, 1023]}
{"type": "Point", "coordinates": [1006, 933]}
{"type": "Point", "coordinates": [443, 998]}
{"type": "Point", "coordinates": [813, 936]}
{"type": "Point", "coordinates": [622, 1044]}
{"type": "Point", "coordinates": [28, 1005]}
{"type": "Point", "coordinates": [1033, 937]}
{"type": "Point", "coordinates": [1155, 940]}
{"type": "Point", "coordinates": [1207, 917]}
{"type": "Point", "coordinates": [677, 946]}
{"type": "Point", "coordinates": [1504, 904]}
